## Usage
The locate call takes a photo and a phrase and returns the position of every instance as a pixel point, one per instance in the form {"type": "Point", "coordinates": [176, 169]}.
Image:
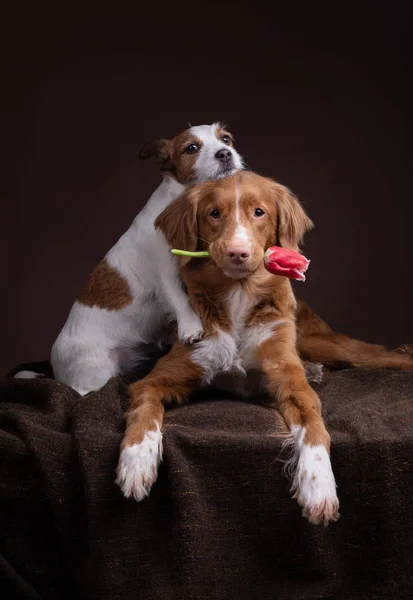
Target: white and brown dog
{"type": "Point", "coordinates": [135, 291]}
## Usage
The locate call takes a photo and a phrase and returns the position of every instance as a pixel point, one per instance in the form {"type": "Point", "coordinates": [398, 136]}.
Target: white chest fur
{"type": "Point", "coordinates": [239, 304]}
{"type": "Point", "coordinates": [236, 350]}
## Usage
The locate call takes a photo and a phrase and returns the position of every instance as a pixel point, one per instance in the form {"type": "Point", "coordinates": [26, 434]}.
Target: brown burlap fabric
{"type": "Point", "coordinates": [219, 523]}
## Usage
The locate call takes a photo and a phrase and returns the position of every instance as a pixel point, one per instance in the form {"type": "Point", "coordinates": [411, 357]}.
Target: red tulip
{"type": "Point", "coordinates": [280, 261]}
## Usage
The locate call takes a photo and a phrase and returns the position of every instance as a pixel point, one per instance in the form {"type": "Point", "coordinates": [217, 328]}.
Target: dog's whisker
{"type": "Point", "coordinates": [203, 239]}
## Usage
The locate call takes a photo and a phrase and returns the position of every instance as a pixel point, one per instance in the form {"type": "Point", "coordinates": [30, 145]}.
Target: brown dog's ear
{"type": "Point", "coordinates": [293, 222]}
{"type": "Point", "coordinates": [178, 222]}
{"type": "Point", "coordinates": [158, 148]}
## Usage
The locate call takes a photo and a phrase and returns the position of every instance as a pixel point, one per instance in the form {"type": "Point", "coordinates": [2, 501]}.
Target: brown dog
{"type": "Point", "coordinates": [249, 322]}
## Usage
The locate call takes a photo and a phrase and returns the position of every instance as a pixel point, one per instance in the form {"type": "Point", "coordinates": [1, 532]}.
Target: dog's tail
{"type": "Point", "coordinates": [33, 370]}
{"type": "Point", "coordinates": [27, 375]}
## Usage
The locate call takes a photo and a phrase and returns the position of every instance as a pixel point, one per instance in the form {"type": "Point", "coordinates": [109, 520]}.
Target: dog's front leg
{"type": "Point", "coordinates": [173, 377]}
{"type": "Point", "coordinates": [313, 485]}
{"type": "Point", "coordinates": [190, 328]}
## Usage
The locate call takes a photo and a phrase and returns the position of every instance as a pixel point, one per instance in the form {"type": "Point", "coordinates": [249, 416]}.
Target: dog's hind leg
{"type": "Point", "coordinates": [88, 371]}
{"type": "Point", "coordinates": [339, 351]}
{"type": "Point", "coordinates": [318, 343]}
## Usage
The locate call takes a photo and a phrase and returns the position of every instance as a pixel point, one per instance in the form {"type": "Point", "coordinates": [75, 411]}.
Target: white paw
{"type": "Point", "coordinates": [315, 487]}
{"type": "Point", "coordinates": [190, 329]}
{"type": "Point", "coordinates": [138, 466]}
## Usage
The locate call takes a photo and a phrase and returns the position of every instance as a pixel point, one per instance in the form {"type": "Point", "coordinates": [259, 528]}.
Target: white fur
{"type": "Point", "coordinates": [138, 465]}
{"type": "Point", "coordinates": [242, 237]}
{"type": "Point", "coordinates": [241, 234]}
{"type": "Point", "coordinates": [248, 339]}
{"type": "Point", "coordinates": [220, 353]}
{"type": "Point", "coordinates": [313, 484]}
{"type": "Point", "coordinates": [215, 354]}
{"type": "Point", "coordinates": [257, 335]}
{"type": "Point", "coordinates": [27, 375]}
{"type": "Point", "coordinates": [206, 164]}
{"type": "Point", "coordinates": [234, 351]}
{"type": "Point", "coordinates": [90, 348]}
{"type": "Point", "coordinates": [239, 304]}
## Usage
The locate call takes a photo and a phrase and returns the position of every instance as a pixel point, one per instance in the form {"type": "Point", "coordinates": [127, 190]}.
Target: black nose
{"type": "Point", "coordinates": [225, 155]}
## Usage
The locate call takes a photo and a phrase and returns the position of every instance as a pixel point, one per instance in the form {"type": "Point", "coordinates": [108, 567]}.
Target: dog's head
{"type": "Point", "coordinates": [236, 219]}
{"type": "Point", "coordinates": [201, 153]}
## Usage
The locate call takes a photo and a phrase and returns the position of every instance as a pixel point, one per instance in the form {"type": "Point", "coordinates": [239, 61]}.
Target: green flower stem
{"type": "Point", "coordinates": [191, 254]}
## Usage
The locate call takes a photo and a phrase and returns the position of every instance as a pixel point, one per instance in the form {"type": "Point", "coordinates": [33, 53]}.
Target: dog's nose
{"type": "Point", "coordinates": [225, 155]}
{"type": "Point", "coordinates": [238, 255]}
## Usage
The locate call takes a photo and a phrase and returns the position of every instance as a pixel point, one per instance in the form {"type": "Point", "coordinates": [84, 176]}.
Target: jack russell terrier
{"type": "Point", "coordinates": [135, 291]}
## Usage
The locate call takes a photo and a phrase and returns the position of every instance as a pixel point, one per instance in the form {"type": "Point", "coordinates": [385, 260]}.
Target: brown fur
{"type": "Point", "coordinates": [106, 288]}
{"type": "Point", "coordinates": [187, 224]}
{"type": "Point", "coordinates": [293, 222]}
{"type": "Point", "coordinates": [221, 132]}
{"type": "Point", "coordinates": [172, 378]}
{"type": "Point", "coordinates": [181, 165]}
{"type": "Point", "coordinates": [317, 342]}
{"type": "Point", "coordinates": [283, 223]}
{"type": "Point", "coordinates": [171, 155]}
{"type": "Point", "coordinates": [286, 381]}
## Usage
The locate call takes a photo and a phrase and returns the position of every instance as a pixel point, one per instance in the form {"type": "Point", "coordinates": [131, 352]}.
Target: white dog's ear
{"type": "Point", "coordinates": [158, 148]}
{"type": "Point", "coordinates": [178, 222]}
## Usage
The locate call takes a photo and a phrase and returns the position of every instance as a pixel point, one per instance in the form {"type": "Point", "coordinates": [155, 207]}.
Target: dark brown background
{"type": "Point", "coordinates": [319, 100]}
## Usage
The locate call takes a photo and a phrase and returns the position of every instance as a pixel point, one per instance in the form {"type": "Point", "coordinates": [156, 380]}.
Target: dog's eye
{"type": "Point", "coordinates": [191, 149]}
{"type": "Point", "coordinates": [214, 213]}
{"type": "Point", "coordinates": [258, 212]}
{"type": "Point", "coordinates": [226, 139]}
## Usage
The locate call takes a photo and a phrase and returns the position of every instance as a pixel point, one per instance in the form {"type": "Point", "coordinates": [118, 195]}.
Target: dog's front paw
{"type": "Point", "coordinates": [315, 487]}
{"type": "Point", "coordinates": [138, 466]}
{"type": "Point", "coordinates": [190, 330]}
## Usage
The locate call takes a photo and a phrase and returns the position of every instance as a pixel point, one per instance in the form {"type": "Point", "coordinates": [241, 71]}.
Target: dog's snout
{"type": "Point", "coordinates": [224, 155]}
{"type": "Point", "coordinates": [237, 254]}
